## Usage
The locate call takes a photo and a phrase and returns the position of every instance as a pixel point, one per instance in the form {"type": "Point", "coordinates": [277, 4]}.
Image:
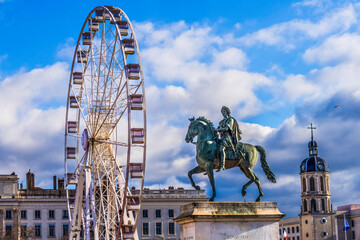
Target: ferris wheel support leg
{"type": "Point", "coordinates": [87, 202]}
{"type": "Point", "coordinates": [92, 202]}
{"type": "Point", "coordinates": [77, 214]}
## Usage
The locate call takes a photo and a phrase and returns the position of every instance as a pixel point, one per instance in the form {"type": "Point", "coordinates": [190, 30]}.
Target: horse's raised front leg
{"type": "Point", "coordinates": [210, 173]}
{"type": "Point", "coordinates": [194, 171]}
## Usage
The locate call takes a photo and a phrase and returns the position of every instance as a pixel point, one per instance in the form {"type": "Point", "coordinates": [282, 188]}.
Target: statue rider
{"type": "Point", "coordinates": [230, 136]}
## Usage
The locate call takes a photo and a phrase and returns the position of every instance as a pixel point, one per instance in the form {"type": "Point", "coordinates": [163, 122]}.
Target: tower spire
{"type": "Point", "coordinates": [313, 151]}
{"type": "Point", "coordinates": [312, 128]}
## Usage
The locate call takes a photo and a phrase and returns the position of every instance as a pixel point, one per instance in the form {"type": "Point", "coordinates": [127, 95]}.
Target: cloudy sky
{"type": "Point", "coordinates": [279, 66]}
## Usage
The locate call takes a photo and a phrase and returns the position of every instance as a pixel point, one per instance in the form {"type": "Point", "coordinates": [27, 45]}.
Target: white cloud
{"type": "Point", "coordinates": [230, 58]}
{"type": "Point", "coordinates": [344, 183]}
{"type": "Point", "coordinates": [201, 73]}
{"type": "Point", "coordinates": [318, 4]}
{"type": "Point", "coordinates": [66, 50]}
{"type": "Point", "coordinates": [335, 48]}
{"type": "Point", "coordinates": [342, 77]}
{"type": "Point", "coordinates": [283, 181]}
{"type": "Point", "coordinates": [33, 120]}
{"type": "Point", "coordinates": [255, 133]}
{"type": "Point", "coordinates": [25, 90]}
{"type": "Point", "coordinates": [297, 86]}
{"type": "Point", "coordinates": [285, 35]}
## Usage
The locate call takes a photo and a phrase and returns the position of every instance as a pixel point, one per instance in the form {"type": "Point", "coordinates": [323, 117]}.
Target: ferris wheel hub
{"type": "Point", "coordinates": [85, 139]}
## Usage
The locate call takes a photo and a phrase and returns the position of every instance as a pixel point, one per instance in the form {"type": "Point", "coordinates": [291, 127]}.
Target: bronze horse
{"type": "Point", "coordinates": [208, 158]}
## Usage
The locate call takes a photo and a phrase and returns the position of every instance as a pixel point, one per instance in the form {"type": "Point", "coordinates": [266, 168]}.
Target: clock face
{"type": "Point", "coordinates": [303, 167]}
{"type": "Point", "coordinates": [84, 139]}
{"type": "Point", "coordinates": [321, 166]}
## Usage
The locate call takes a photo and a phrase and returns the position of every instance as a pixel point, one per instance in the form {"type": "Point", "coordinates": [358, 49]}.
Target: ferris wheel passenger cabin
{"type": "Point", "coordinates": [124, 27]}
{"type": "Point", "coordinates": [137, 135]}
{"type": "Point", "coordinates": [99, 15]}
{"type": "Point", "coordinates": [136, 170]}
{"type": "Point", "coordinates": [133, 202]}
{"type": "Point", "coordinates": [128, 231]}
{"type": "Point", "coordinates": [78, 78]}
{"type": "Point", "coordinates": [133, 71]}
{"type": "Point", "coordinates": [72, 127]}
{"type": "Point", "coordinates": [86, 38]}
{"type": "Point", "coordinates": [71, 152]}
{"type": "Point", "coordinates": [73, 102]}
{"type": "Point", "coordinates": [129, 46]}
{"type": "Point", "coordinates": [82, 56]}
{"type": "Point", "coordinates": [93, 25]}
{"type": "Point", "coordinates": [136, 102]}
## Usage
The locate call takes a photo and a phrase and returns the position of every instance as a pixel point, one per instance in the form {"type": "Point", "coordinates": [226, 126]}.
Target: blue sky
{"type": "Point", "coordinates": [279, 66]}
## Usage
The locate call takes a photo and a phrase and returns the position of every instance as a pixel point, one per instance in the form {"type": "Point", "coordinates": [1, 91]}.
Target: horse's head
{"type": "Point", "coordinates": [192, 130]}
{"type": "Point", "coordinates": [202, 128]}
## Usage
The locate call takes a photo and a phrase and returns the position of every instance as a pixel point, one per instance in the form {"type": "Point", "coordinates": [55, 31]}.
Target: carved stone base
{"type": "Point", "coordinates": [229, 220]}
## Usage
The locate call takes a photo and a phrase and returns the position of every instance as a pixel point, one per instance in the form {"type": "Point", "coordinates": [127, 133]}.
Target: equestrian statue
{"type": "Point", "coordinates": [225, 152]}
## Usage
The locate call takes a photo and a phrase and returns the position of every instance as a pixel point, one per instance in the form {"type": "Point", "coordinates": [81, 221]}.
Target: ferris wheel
{"type": "Point", "coordinates": [105, 129]}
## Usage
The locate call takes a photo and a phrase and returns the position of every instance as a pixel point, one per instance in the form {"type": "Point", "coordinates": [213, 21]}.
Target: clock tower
{"type": "Point", "coordinates": [316, 209]}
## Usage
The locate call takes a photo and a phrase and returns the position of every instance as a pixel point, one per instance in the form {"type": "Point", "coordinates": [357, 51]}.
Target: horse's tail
{"type": "Point", "coordinates": [269, 174]}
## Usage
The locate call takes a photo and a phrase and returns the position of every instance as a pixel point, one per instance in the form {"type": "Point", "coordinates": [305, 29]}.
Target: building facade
{"type": "Point", "coordinates": [160, 207]}
{"type": "Point", "coordinates": [35, 213]}
{"type": "Point", "coordinates": [32, 213]}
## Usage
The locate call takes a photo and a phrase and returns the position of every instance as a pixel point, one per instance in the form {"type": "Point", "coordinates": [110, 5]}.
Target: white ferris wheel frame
{"type": "Point", "coordinates": [82, 217]}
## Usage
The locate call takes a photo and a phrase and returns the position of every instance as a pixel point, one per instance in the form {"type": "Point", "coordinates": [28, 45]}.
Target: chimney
{"type": "Point", "coordinates": [61, 183]}
{"type": "Point", "coordinates": [32, 181]}
{"type": "Point", "coordinates": [54, 182]}
{"type": "Point", "coordinates": [28, 180]}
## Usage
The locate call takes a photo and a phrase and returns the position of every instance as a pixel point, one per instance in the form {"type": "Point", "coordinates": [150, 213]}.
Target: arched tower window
{"type": "Point", "coordinates": [305, 205]}
{"type": "Point", "coordinates": [312, 184]}
{"type": "Point", "coordinates": [313, 205]}
{"type": "Point", "coordinates": [304, 185]}
{"type": "Point", "coordinates": [323, 204]}
{"type": "Point", "coordinates": [321, 183]}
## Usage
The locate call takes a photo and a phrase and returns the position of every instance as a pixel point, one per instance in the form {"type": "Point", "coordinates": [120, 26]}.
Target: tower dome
{"type": "Point", "coordinates": [313, 162]}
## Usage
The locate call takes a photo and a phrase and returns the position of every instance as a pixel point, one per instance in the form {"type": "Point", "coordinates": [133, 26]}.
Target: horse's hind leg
{"type": "Point", "coordinates": [248, 175]}
{"type": "Point", "coordinates": [194, 171]}
{"type": "Point", "coordinates": [257, 182]}
{"type": "Point", "coordinates": [210, 173]}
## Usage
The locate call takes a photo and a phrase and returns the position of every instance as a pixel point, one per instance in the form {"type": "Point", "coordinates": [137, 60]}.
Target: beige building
{"type": "Point", "coordinates": [32, 212]}
{"type": "Point", "coordinates": [317, 220]}
{"type": "Point", "coordinates": [160, 207]}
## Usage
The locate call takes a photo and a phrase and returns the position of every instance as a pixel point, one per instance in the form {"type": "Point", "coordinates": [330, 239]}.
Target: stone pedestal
{"type": "Point", "coordinates": [230, 221]}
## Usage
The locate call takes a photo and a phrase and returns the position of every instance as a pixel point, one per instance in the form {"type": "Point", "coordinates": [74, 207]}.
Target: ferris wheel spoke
{"type": "Point", "coordinates": [99, 75]}
{"type": "Point", "coordinates": [102, 103]}
{"type": "Point", "coordinates": [82, 113]}
{"type": "Point", "coordinates": [113, 143]}
{"type": "Point", "coordinates": [112, 108]}
{"type": "Point", "coordinates": [104, 93]}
